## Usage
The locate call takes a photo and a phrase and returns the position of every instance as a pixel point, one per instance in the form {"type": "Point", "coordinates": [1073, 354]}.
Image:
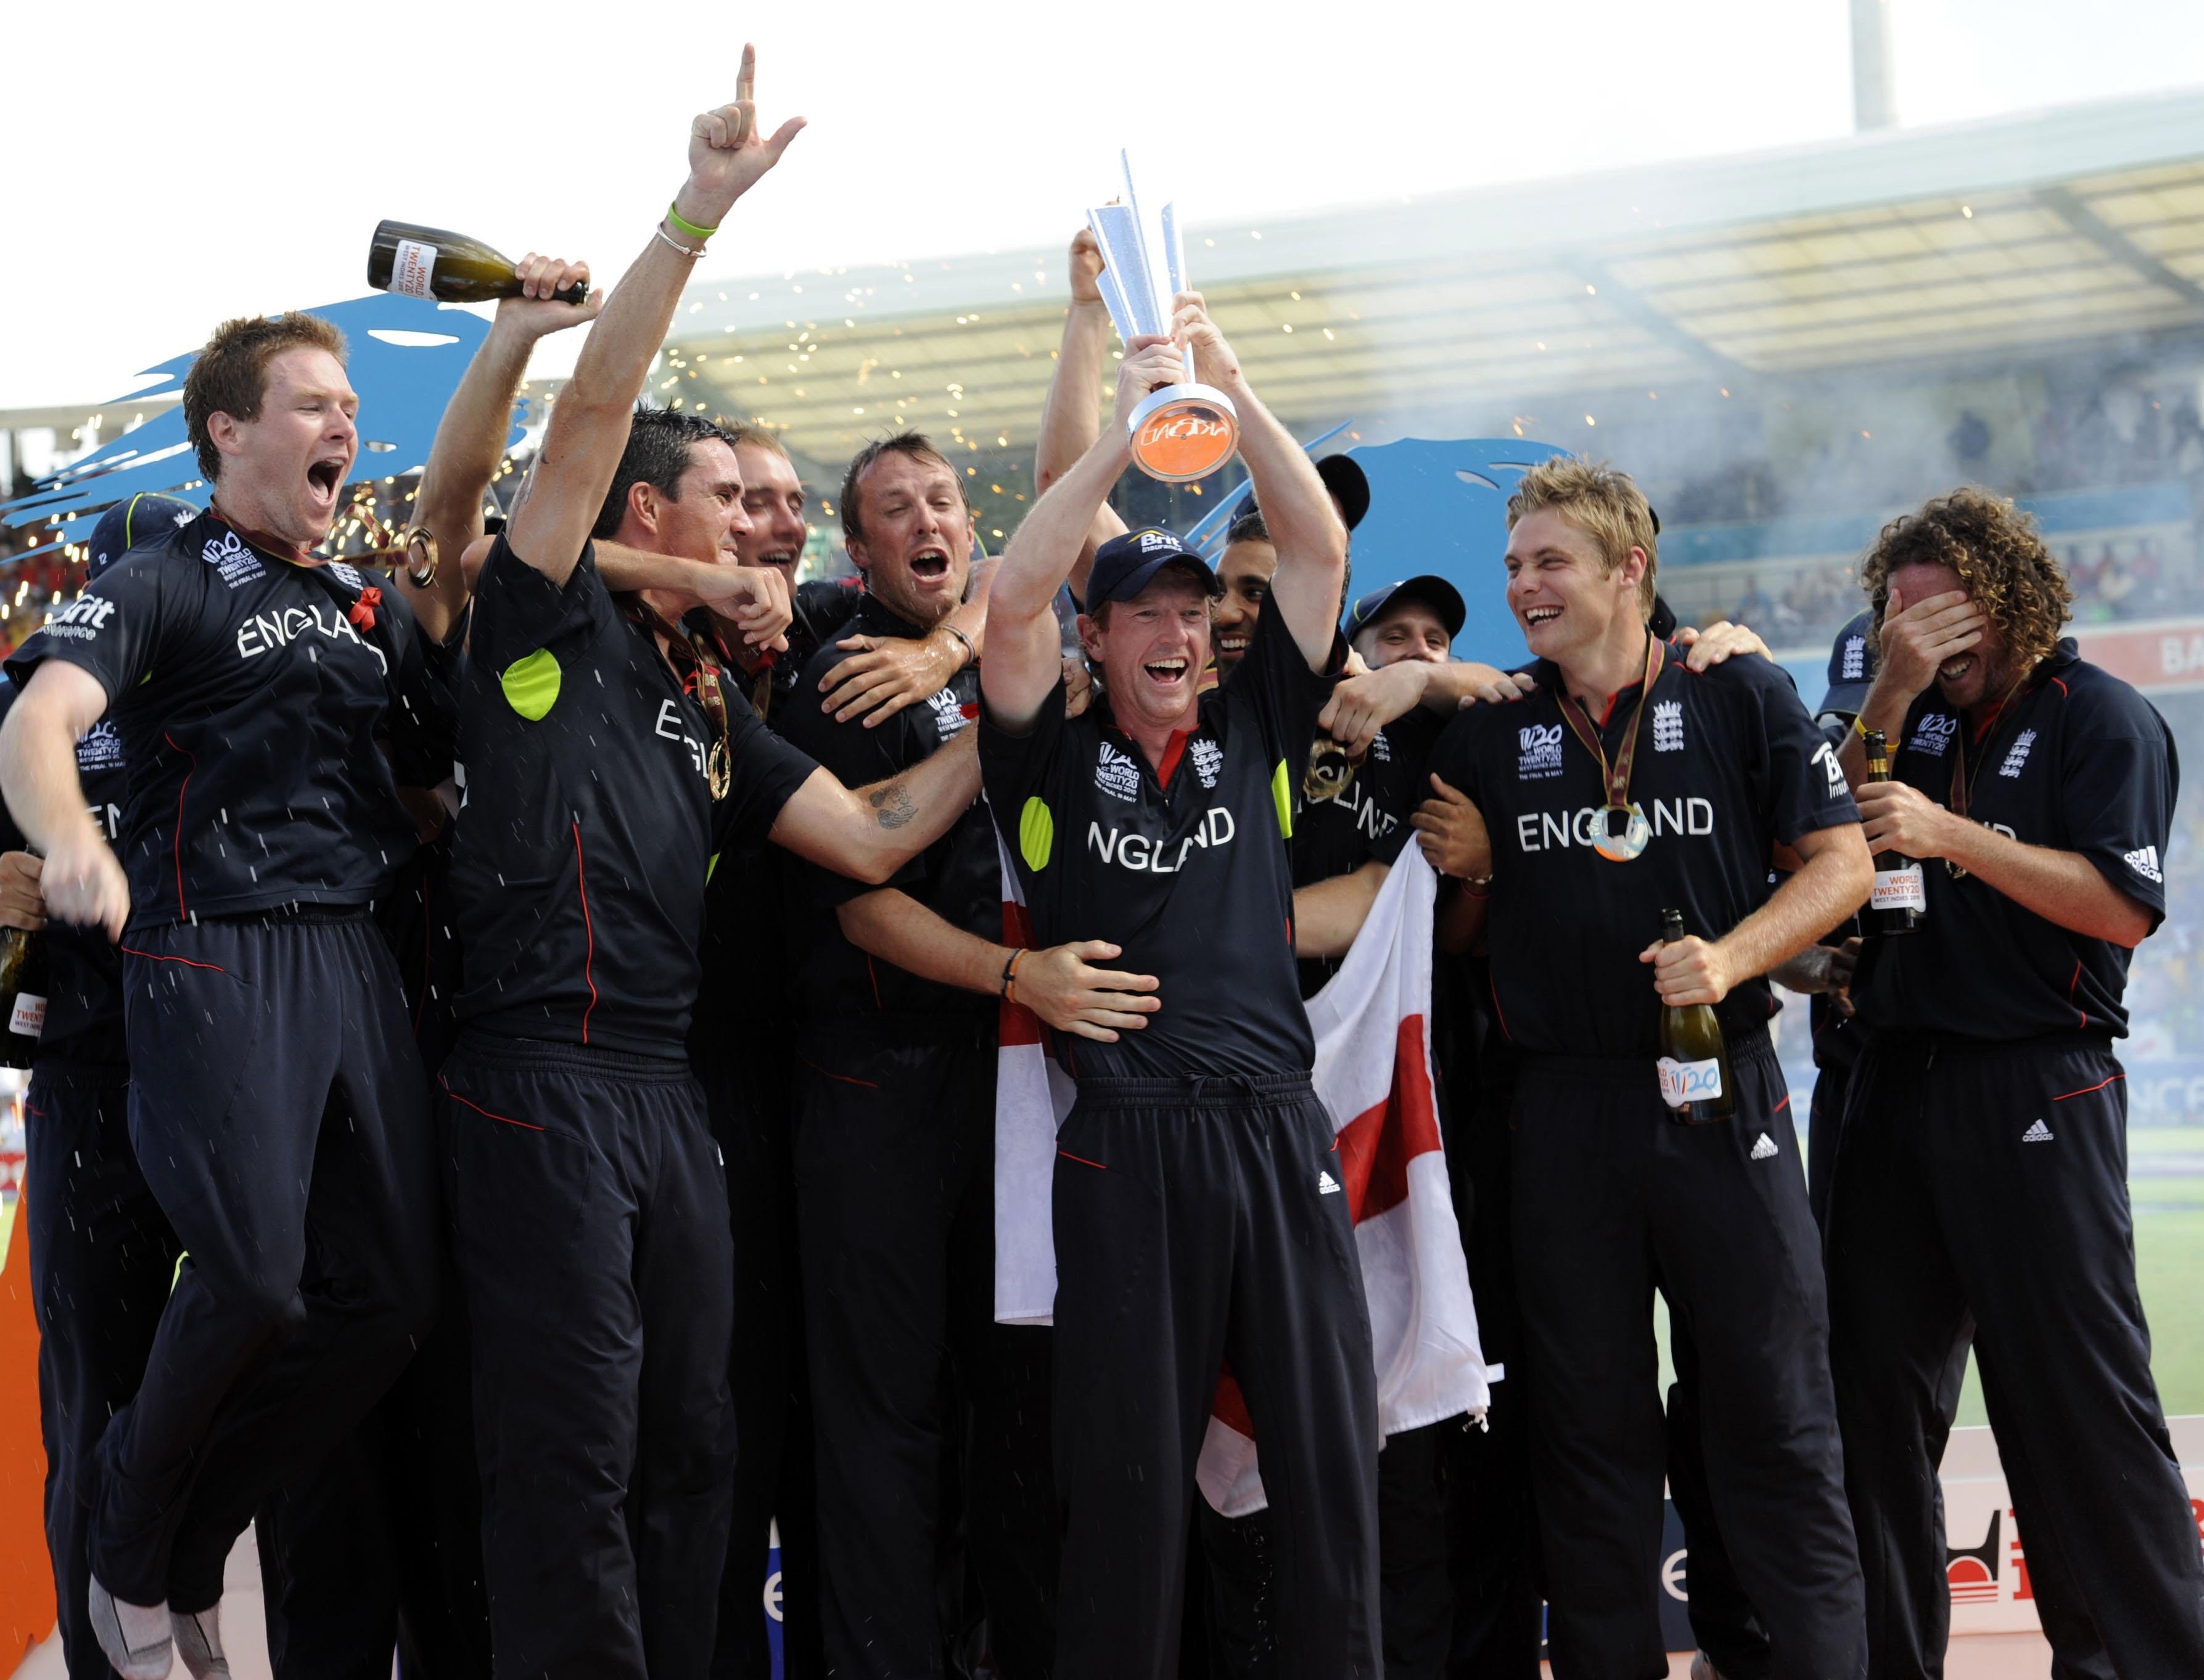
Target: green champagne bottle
{"type": "Point", "coordinates": [429, 263]}
{"type": "Point", "coordinates": [1899, 903]}
{"type": "Point", "coordinates": [1695, 1077]}
{"type": "Point", "coordinates": [23, 990]}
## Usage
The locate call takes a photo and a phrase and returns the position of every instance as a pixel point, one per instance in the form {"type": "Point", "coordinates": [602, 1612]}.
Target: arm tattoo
{"type": "Point", "coordinates": [893, 804]}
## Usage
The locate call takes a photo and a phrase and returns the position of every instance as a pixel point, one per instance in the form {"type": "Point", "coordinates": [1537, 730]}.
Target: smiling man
{"type": "Point", "coordinates": [1625, 784]}
{"type": "Point", "coordinates": [1197, 1207]}
{"type": "Point", "coordinates": [278, 1087]}
{"type": "Point", "coordinates": [1981, 1188]}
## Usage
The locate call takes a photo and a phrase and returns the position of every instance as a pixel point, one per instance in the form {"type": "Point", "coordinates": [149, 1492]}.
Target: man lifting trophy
{"type": "Point", "coordinates": [1182, 431]}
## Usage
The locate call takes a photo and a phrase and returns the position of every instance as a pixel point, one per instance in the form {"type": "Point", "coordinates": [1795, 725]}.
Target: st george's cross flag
{"type": "Point", "coordinates": [1373, 1073]}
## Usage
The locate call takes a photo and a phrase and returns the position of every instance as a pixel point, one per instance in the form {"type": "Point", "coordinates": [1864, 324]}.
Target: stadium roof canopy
{"type": "Point", "coordinates": [1900, 246]}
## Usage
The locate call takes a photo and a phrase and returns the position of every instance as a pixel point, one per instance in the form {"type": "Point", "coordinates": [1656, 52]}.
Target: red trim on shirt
{"type": "Point", "coordinates": [1082, 1161]}
{"type": "Point", "coordinates": [2071, 985]}
{"type": "Point", "coordinates": [2063, 689]}
{"type": "Point", "coordinates": [589, 933]}
{"type": "Point", "coordinates": [1492, 985]}
{"type": "Point", "coordinates": [1173, 751]}
{"type": "Point", "coordinates": [2086, 1089]}
{"type": "Point", "coordinates": [1779, 1106]}
{"type": "Point", "coordinates": [178, 846]}
{"type": "Point", "coordinates": [872, 974]}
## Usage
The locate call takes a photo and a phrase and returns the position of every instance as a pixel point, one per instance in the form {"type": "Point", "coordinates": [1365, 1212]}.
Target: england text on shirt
{"type": "Point", "coordinates": [1727, 763]}
{"type": "Point", "coordinates": [1184, 867]}
{"type": "Point", "coordinates": [250, 697]}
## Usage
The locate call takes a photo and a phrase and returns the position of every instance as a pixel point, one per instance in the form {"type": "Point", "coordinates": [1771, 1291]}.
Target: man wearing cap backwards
{"type": "Point", "coordinates": [1981, 1173]}
{"type": "Point", "coordinates": [1198, 1211]}
{"type": "Point", "coordinates": [1625, 786]}
{"type": "Point", "coordinates": [102, 1252]}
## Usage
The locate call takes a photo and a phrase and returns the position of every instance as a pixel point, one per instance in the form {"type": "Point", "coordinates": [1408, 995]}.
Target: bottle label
{"type": "Point", "coordinates": [28, 1017]}
{"type": "Point", "coordinates": [1683, 1084]}
{"type": "Point", "coordinates": [414, 267]}
{"type": "Point", "coordinates": [1899, 889]}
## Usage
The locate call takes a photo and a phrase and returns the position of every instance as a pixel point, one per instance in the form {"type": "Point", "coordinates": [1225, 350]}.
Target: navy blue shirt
{"type": "Point", "coordinates": [1727, 764]}
{"type": "Point", "coordinates": [2077, 761]}
{"type": "Point", "coordinates": [587, 828]}
{"type": "Point", "coordinates": [1186, 871]}
{"type": "Point", "coordinates": [251, 696]}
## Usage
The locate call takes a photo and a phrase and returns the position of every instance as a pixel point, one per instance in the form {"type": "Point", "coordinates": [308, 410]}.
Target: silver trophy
{"type": "Point", "coordinates": [1181, 431]}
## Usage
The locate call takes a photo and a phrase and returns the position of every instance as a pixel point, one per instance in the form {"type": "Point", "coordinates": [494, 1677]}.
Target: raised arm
{"type": "Point", "coordinates": [1304, 526]}
{"type": "Point", "coordinates": [884, 674]}
{"type": "Point", "coordinates": [750, 600]}
{"type": "Point", "coordinates": [589, 428]}
{"type": "Point", "coordinates": [471, 438]}
{"type": "Point", "coordinates": [1024, 663]}
{"type": "Point", "coordinates": [82, 880]}
{"type": "Point", "coordinates": [1071, 418]}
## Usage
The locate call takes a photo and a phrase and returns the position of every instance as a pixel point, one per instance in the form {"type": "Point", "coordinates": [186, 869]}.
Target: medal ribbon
{"type": "Point", "coordinates": [696, 661]}
{"type": "Point", "coordinates": [1963, 779]}
{"type": "Point", "coordinates": [1615, 776]}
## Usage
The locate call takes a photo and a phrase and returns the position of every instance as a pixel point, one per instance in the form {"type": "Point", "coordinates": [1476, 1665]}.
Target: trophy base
{"type": "Point", "coordinates": [1183, 432]}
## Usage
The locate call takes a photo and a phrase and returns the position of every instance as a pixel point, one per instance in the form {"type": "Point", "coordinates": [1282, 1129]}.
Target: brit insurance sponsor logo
{"type": "Point", "coordinates": [951, 716]}
{"type": "Point", "coordinates": [1668, 726]}
{"type": "Point", "coordinates": [1833, 774]}
{"type": "Point", "coordinates": [101, 748]}
{"type": "Point", "coordinates": [1541, 747]}
{"type": "Point", "coordinates": [234, 560]}
{"type": "Point", "coordinates": [2144, 861]}
{"type": "Point", "coordinates": [1933, 734]}
{"type": "Point", "coordinates": [1555, 830]}
{"type": "Point", "coordinates": [2016, 754]}
{"type": "Point", "coordinates": [1117, 774]}
{"type": "Point", "coordinates": [83, 619]}
{"type": "Point", "coordinates": [1146, 855]}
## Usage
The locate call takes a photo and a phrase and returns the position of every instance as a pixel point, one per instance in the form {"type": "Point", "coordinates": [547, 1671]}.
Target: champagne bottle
{"type": "Point", "coordinates": [1899, 903]}
{"type": "Point", "coordinates": [451, 268]}
{"type": "Point", "coordinates": [22, 994]}
{"type": "Point", "coordinates": [1695, 1077]}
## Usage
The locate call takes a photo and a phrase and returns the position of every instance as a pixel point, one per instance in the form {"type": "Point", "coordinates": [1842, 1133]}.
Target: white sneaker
{"type": "Point", "coordinates": [134, 1638]}
{"type": "Point", "coordinates": [199, 1642]}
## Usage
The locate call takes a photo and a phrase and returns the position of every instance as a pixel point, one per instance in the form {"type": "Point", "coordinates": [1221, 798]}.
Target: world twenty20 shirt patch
{"type": "Point", "coordinates": [1933, 734]}
{"type": "Point", "coordinates": [1117, 774]}
{"type": "Point", "coordinates": [1541, 745]}
{"type": "Point", "coordinates": [232, 560]}
{"type": "Point", "coordinates": [951, 717]}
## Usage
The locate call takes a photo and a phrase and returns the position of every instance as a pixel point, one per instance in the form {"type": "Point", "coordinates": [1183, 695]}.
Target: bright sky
{"type": "Point", "coordinates": [169, 165]}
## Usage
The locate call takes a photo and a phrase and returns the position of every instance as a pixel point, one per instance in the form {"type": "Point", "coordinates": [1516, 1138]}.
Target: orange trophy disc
{"type": "Point", "coordinates": [1181, 431]}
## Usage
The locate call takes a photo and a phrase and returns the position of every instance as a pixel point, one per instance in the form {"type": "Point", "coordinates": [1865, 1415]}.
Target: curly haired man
{"type": "Point", "coordinates": [1981, 1185]}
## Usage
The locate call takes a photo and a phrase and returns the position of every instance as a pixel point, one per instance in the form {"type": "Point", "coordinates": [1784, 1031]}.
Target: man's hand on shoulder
{"type": "Point", "coordinates": [752, 598]}
{"type": "Point", "coordinates": [884, 674]}
{"type": "Point", "coordinates": [1361, 706]}
{"type": "Point", "coordinates": [1718, 642]}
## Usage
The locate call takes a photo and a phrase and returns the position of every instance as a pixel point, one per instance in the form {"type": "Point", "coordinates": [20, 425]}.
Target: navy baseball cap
{"type": "Point", "coordinates": [1851, 667]}
{"type": "Point", "coordinates": [1435, 593]}
{"type": "Point", "coordinates": [126, 524]}
{"type": "Point", "coordinates": [1126, 565]}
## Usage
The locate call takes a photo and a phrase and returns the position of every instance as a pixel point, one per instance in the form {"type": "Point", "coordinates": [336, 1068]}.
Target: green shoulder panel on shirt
{"type": "Point", "coordinates": [1036, 834]}
{"type": "Point", "coordinates": [1281, 796]}
{"type": "Point", "coordinates": [531, 684]}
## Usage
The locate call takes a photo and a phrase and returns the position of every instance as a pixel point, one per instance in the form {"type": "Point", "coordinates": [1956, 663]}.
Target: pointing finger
{"type": "Point", "coordinates": [746, 78]}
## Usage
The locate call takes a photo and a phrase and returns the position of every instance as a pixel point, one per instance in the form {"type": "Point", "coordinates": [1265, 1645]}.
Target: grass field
{"type": "Point", "coordinates": [2165, 1184]}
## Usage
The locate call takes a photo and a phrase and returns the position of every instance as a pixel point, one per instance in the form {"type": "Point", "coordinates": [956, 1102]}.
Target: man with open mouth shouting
{"type": "Point", "coordinates": [278, 1089]}
{"type": "Point", "coordinates": [1196, 1204]}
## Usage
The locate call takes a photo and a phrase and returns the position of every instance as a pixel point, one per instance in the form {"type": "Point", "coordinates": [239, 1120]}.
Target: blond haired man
{"type": "Point", "coordinates": [1625, 785]}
